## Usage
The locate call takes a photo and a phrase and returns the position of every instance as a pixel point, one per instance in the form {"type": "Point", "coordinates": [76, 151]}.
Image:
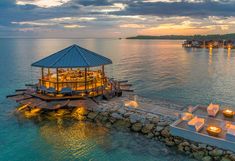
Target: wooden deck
{"type": "Point", "coordinates": [56, 98]}
{"type": "Point", "coordinates": [157, 110]}
{"type": "Point", "coordinates": [144, 107]}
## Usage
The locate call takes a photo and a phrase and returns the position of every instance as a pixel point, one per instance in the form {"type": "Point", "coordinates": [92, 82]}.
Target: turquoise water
{"type": "Point", "coordinates": [157, 69]}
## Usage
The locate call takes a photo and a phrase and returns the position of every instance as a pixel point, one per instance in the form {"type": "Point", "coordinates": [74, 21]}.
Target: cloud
{"type": "Point", "coordinates": [105, 9]}
{"type": "Point", "coordinates": [93, 2]}
{"type": "Point", "coordinates": [42, 3]}
{"type": "Point", "coordinates": [73, 26]}
{"type": "Point", "coordinates": [181, 8]}
{"type": "Point", "coordinates": [66, 22]}
{"type": "Point", "coordinates": [132, 26]}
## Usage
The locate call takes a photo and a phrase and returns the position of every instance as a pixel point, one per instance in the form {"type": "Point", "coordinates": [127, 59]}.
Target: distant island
{"type": "Point", "coordinates": [190, 37]}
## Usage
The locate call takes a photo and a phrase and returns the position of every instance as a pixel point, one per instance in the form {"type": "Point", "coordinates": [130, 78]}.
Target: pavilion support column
{"type": "Point", "coordinates": [48, 72]}
{"type": "Point", "coordinates": [103, 79]}
{"type": "Point", "coordinates": [86, 80]}
{"type": "Point", "coordinates": [42, 80]}
{"type": "Point", "coordinates": [57, 80]}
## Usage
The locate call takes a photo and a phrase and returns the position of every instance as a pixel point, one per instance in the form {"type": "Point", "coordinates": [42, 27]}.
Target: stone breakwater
{"type": "Point", "coordinates": [113, 113]}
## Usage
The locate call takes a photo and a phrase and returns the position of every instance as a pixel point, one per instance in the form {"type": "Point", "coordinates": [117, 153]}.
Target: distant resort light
{"type": "Point", "coordinates": [210, 44]}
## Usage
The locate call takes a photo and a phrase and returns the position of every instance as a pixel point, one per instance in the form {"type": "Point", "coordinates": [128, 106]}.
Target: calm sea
{"type": "Point", "coordinates": [158, 69]}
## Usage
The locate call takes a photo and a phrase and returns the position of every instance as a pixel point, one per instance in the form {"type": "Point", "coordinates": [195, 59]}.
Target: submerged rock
{"type": "Point", "coordinates": [207, 158]}
{"type": "Point", "coordinates": [150, 135]}
{"type": "Point", "coordinates": [163, 123]}
{"type": "Point", "coordinates": [116, 116]}
{"type": "Point", "coordinates": [147, 128]}
{"type": "Point", "coordinates": [203, 146]}
{"type": "Point", "coordinates": [62, 112]}
{"type": "Point", "coordinates": [232, 157]}
{"type": "Point", "coordinates": [194, 147]}
{"type": "Point", "coordinates": [216, 152]}
{"type": "Point", "coordinates": [159, 128]}
{"type": "Point", "coordinates": [185, 143]}
{"type": "Point", "coordinates": [122, 124]}
{"type": "Point", "coordinates": [122, 111]}
{"type": "Point", "coordinates": [169, 142]}
{"type": "Point", "coordinates": [134, 118]}
{"type": "Point", "coordinates": [136, 127]}
{"type": "Point", "coordinates": [108, 125]}
{"type": "Point", "coordinates": [80, 118]}
{"type": "Point", "coordinates": [92, 115]}
{"type": "Point", "coordinates": [198, 155]}
{"type": "Point", "coordinates": [155, 119]}
{"type": "Point", "coordinates": [78, 112]}
{"type": "Point", "coordinates": [225, 159]}
{"type": "Point", "coordinates": [165, 132]}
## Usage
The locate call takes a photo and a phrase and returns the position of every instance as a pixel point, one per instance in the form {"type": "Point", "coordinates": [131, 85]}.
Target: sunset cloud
{"type": "Point", "coordinates": [73, 26]}
{"type": "Point", "coordinates": [132, 26]}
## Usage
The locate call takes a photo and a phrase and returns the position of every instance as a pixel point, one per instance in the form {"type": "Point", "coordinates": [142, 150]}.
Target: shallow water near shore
{"type": "Point", "coordinates": [157, 69]}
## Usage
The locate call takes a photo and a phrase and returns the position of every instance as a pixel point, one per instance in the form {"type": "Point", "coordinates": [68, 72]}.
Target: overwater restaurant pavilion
{"type": "Point", "coordinates": [73, 70]}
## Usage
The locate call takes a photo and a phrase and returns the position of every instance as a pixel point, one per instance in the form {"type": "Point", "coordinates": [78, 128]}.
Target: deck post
{"type": "Point", "coordinates": [42, 76]}
{"type": "Point", "coordinates": [57, 80]}
{"type": "Point", "coordinates": [49, 75]}
{"type": "Point", "coordinates": [85, 80]}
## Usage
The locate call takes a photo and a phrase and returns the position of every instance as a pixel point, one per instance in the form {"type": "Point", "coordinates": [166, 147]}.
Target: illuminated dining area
{"type": "Point", "coordinates": [73, 71]}
{"type": "Point", "coordinates": [76, 79]}
{"type": "Point", "coordinates": [213, 125]}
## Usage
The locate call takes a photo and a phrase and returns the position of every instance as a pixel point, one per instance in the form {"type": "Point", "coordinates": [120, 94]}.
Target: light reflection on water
{"type": "Point", "coordinates": [89, 141]}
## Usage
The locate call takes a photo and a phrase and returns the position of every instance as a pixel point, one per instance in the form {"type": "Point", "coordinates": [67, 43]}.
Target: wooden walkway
{"type": "Point", "coordinates": [147, 108]}
{"type": "Point", "coordinates": [158, 110]}
{"type": "Point", "coordinates": [152, 109]}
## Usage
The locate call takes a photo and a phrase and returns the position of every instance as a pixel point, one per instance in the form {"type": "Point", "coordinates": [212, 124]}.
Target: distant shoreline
{"type": "Point", "coordinates": [184, 37]}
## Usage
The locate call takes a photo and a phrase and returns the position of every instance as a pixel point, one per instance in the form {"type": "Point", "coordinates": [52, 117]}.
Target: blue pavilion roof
{"type": "Point", "coordinates": [72, 57]}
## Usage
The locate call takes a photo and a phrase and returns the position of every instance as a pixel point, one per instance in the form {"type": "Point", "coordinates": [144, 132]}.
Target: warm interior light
{"type": "Point", "coordinates": [213, 130]}
{"type": "Point", "coordinates": [33, 112]}
{"type": "Point", "coordinates": [210, 46]}
{"type": "Point", "coordinates": [131, 104]}
{"type": "Point", "coordinates": [23, 107]}
{"type": "Point", "coordinates": [228, 113]}
{"type": "Point", "coordinates": [186, 116]}
{"type": "Point", "coordinates": [76, 79]}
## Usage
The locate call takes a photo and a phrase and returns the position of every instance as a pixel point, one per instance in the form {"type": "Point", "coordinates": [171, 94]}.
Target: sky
{"type": "Point", "coordinates": [114, 18]}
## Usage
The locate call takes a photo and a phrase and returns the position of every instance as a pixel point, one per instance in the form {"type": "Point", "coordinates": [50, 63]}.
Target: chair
{"type": "Point", "coordinates": [51, 90]}
{"type": "Point", "coordinates": [42, 89]}
{"type": "Point", "coordinates": [66, 91]}
{"type": "Point", "coordinates": [213, 109]}
{"type": "Point", "coordinates": [186, 116]}
{"type": "Point", "coordinates": [230, 135]}
{"type": "Point", "coordinates": [196, 124]}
